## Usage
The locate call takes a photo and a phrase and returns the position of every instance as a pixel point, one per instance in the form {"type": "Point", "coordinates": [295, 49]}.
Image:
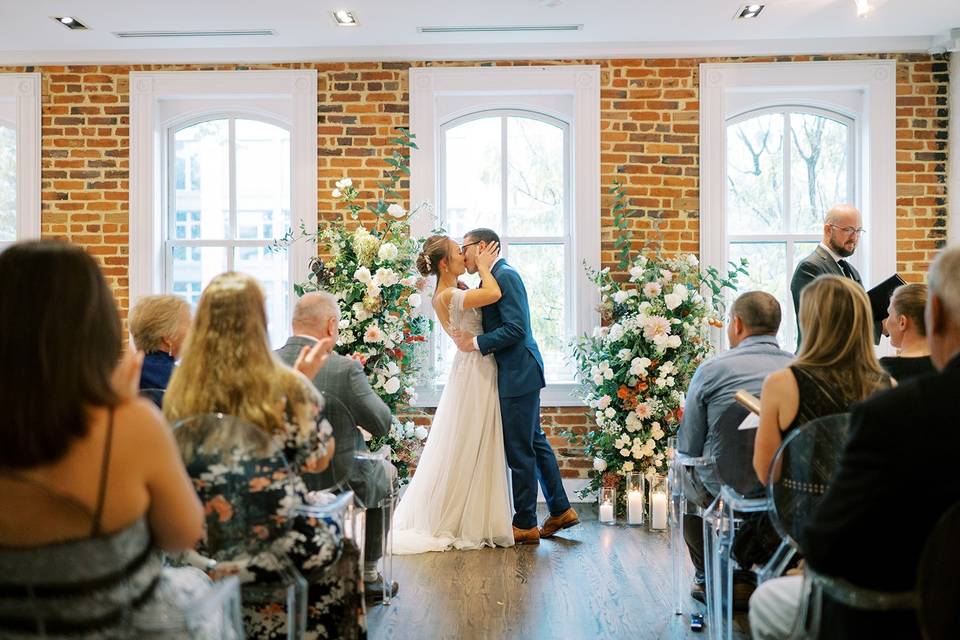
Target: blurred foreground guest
{"type": "Point", "coordinates": [227, 367]}
{"type": "Point", "coordinates": [91, 483]}
{"type": "Point", "coordinates": [850, 535]}
{"type": "Point", "coordinates": [908, 333]}
{"type": "Point", "coordinates": [158, 325]}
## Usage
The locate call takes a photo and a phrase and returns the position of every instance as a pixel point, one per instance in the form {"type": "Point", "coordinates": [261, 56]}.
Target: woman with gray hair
{"type": "Point", "coordinates": [158, 325]}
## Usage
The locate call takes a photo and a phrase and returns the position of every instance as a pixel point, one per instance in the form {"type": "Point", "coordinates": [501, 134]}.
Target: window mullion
{"type": "Point", "coordinates": [787, 173]}
{"type": "Point", "coordinates": [232, 195]}
{"type": "Point", "coordinates": [503, 184]}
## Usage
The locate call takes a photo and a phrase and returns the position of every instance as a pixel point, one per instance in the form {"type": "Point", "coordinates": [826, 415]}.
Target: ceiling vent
{"type": "Point", "coordinates": [502, 29]}
{"type": "Point", "coordinates": [227, 33]}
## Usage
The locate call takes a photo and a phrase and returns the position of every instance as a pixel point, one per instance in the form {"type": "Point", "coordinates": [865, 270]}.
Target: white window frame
{"type": "Point", "coordinates": [163, 102]}
{"type": "Point", "coordinates": [439, 96]}
{"type": "Point", "coordinates": [863, 90]}
{"type": "Point", "coordinates": [20, 101]}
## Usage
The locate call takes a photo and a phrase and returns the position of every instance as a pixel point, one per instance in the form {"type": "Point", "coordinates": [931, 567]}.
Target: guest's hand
{"type": "Point", "coordinates": [312, 359]}
{"type": "Point", "coordinates": [462, 285]}
{"type": "Point", "coordinates": [126, 377]}
{"type": "Point", "coordinates": [464, 341]}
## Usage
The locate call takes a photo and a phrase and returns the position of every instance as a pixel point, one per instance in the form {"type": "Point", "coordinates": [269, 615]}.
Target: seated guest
{"type": "Point", "coordinates": [706, 431]}
{"type": "Point", "coordinates": [227, 367]}
{"type": "Point", "coordinates": [835, 367]}
{"type": "Point", "coordinates": [350, 402]}
{"type": "Point", "coordinates": [91, 482]}
{"type": "Point", "coordinates": [158, 325]}
{"type": "Point", "coordinates": [849, 535]}
{"type": "Point", "coordinates": [907, 332]}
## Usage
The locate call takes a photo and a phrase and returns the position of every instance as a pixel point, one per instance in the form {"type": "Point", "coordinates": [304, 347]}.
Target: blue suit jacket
{"type": "Point", "coordinates": [508, 336]}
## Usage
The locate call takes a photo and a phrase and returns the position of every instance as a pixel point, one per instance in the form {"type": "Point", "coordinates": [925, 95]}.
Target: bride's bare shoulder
{"type": "Point", "coordinates": [442, 298]}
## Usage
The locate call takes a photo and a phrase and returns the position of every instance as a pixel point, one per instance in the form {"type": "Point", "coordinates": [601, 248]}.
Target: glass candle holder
{"type": "Point", "coordinates": [636, 495]}
{"type": "Point", "coordinates": [608, 505]}
{"type": "Point", "coordinates": [659, 502]}
{"type": "Point", "coordinates": [671, 447]}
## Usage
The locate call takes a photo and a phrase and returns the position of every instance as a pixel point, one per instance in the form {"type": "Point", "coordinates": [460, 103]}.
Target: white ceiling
{"type": "Point", "coordinates": [388, 29]}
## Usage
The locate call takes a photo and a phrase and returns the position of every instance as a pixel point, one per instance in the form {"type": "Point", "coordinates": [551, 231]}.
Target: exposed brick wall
{"type": "Point", "coordinates": [649, 140]}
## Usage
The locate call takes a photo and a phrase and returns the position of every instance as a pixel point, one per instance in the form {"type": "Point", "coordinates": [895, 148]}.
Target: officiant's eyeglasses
{"type": "Point", "coordinates": [850, 231]}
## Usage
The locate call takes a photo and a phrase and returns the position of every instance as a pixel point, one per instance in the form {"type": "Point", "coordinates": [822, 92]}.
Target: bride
{"type": "Point", "coordinates": [459, 497]}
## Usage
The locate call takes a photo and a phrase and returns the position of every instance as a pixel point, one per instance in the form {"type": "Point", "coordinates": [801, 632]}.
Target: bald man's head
{"type": "Point", "coordinates": [842, 227]}
{"type": "Point", "coordinates": [317, 314]}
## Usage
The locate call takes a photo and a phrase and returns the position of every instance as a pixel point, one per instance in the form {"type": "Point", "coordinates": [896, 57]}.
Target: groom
{"type": "Point", "coordinates": [507, 335]}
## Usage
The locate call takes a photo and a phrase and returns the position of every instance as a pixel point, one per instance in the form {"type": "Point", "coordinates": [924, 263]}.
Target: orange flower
{"type": "Point", "coordinates": [623, 392]}
{"type": "Point", "coordinates": [641, 386]}
{"type": "Point", "coordinates": [258, 484]}
{"type": "Point", "coordinates": [222, 508]}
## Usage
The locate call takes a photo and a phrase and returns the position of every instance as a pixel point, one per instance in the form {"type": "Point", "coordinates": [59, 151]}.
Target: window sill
{"type": "Point", "coordinates": [553, 395]}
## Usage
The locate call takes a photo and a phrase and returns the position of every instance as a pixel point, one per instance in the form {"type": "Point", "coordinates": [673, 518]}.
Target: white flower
{"type": "Point", "coordinates": [628, 465]}
{"type": "Point", "coordinates": [692, 260]}
{"type": "Point", "coordinates": [643, 306]}
{"type": "Point", "coordinates": [598, 378]}
{"type": "Point", "coordinates": [603, 402]}
{"type": "Point", "coordinates": [666, 275]}
{"type": "Point", "coordinates": [362, 275]}
{"type": "Point", "coordinates": [652, 289]}
{"type": "Point", "coordinates": [624, 355]}
{"type": "Point", "coordinates": [625, 452]}
{"type": "Point", "coordinates": [672, 301]}
{"type": "Point", "coordinates": [343, 183]}
{"type": "Point", "coordinates": [616, 332]}
{"type": "Point", "coordinates": [373, 334]}
{"type": "Point", "coordinates": [657, 432]}
{"type": "Point", "coordinates": [344, 324]}
{"type": "Point", "coordinates": [396, 211]}
{"type": "Point", "coordinates": [610, 412]}
{"type": "Point", "coordinates": [638, 366]}
{"type": "Point", "coordinates": [622, 296]}
{"type": "Point", "coordinates": [656, 326]}
{"type": "Point", "coordinates": [420, 432]}
{"type": "Point", "coordinates": [388, 251]}
{"type": "Point", "coordinates": [636, 273]}
{"type": "Point", "coordinates": [414, 300]}
{"type": "Point", "coordinates": [392, 385]}
{"type": "Point", "coordinates": [393, 369]}
{"type": "Point", "coordinates": [681, 291]}
{"type": "Point", "coordinates": [409, 281]}
{"type": "Point", "coordinates": [673, 342]}
{"type": "Point", "coordinates": [386, 277]}
{"type": "Point", "coordinates": [599, 464]}
{"type": "Point", "coordinates": [335, 193]}
{"type": "Point", "coordinates": [619, 443]}
{"type": "Point", "coordinates": [360, 312]}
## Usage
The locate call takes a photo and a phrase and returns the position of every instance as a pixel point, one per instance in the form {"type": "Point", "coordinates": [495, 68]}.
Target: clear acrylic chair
{"type": "Point", "coordinates": [240, 451]}
{"type": "Point", "coordinates": [680, 506]}
{"type": "Point", "coordinates": [214, 616]}
{"type": "Point", "coordinates": [799, 475]}
{"type": "Point", "coordinates": [934, 599]}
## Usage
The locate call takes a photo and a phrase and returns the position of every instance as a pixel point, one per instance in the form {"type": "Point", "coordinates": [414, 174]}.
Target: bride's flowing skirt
{"type": "Point", "coordinates": [459, 496]}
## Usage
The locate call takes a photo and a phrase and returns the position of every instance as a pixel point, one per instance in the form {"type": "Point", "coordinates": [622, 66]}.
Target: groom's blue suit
{"type": "Point", "coordinates": [507, 335]}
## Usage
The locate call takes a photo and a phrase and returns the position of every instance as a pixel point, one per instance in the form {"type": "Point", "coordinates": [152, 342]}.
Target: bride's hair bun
{"type": "Point", "coordinates": [434, 250]}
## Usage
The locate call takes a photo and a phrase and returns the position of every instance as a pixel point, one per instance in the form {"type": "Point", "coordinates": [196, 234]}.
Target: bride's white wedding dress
{"type": "Point", "coordinates": [459, 496]}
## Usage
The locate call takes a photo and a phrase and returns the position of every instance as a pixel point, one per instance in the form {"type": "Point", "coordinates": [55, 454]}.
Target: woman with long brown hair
{"type": "Point", "coordinates": [836, 365]}
{"type": "Point", "coordinates": [228, 367]}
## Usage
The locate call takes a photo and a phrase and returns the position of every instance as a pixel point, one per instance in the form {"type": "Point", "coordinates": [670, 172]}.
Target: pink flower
{"type": "Point", "coordinates": [643, 411]}
{"type": "Point", "coordinates": [373, 334]}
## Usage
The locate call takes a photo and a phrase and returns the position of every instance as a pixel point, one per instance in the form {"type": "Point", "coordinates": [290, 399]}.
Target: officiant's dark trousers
{"type": "Point", "coordinates": [530, 459]}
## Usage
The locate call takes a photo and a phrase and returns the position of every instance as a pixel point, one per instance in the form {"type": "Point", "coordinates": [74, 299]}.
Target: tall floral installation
{"type": "Point", "coordinates": [371, 271]}
{"type": "Point", "coordinates": [634, 370]}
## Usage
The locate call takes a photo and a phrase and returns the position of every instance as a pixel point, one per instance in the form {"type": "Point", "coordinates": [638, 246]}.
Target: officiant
{"type": "Point", "coordinates": [842, 230]}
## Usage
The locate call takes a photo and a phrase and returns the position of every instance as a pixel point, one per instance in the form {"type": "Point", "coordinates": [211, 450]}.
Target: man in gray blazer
{"type": "Point", "coordinates": [350, 403]}
{"type": "Point", "coordinates": [842, 228]}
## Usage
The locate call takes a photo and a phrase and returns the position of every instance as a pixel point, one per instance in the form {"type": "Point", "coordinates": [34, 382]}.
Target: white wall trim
{"type": "Point", "coordinates": [514, 85]}
{"type": "Point", "coordinates": [23, 89]}
{"type": "Point", "coordinates": [953, 157]}
{"type": "Point", "coordinates": [225, 90]}
{"type": "Point", "coordinates": [874, 80]}
{"type": "Point", "coordinates": [478, 51]}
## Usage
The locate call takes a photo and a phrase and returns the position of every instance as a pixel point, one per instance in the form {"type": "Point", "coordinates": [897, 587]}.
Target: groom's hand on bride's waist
{"type": "Point", "coordinates": [465, 341]}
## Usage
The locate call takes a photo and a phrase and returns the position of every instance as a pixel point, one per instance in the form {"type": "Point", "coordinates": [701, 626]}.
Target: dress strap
{"type": "Point", "coordinates": [104, 469]}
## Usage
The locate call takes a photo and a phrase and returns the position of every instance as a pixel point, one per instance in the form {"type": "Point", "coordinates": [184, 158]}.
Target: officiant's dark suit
{"type": "Point", "coordinates": [818, 263]}
{"type": "Point", "coordinates": [873, 522]}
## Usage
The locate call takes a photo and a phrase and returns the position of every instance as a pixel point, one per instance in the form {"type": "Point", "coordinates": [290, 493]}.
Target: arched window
{"type": "Point", "coordinates": [8, 183]}
{"type": "Point", "coordinates": [785, 167]}
{"type": "Point", "coordinates": [508, 170]}
{"type": "Point", "coordinates": [228, 199]}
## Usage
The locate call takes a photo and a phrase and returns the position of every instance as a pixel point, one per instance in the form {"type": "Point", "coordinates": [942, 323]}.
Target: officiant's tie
{"type": "Point", "coordinates": [845, 267]}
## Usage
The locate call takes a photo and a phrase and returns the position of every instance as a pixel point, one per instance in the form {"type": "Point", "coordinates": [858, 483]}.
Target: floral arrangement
{"type": "Point", "coordinates": [634, 370]}
{"type": "Point", "coordinates": [371, 271]}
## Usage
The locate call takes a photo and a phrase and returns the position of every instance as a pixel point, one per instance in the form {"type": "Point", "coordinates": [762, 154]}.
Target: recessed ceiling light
{"type": "Point", "coordinates": [863, 7]}
{"type": "Point", "coordinates": [345, 18]}
{"type": "Point", "coordinates": [749, 11]}
{"type": "Point", "coordinates": [70, 22]}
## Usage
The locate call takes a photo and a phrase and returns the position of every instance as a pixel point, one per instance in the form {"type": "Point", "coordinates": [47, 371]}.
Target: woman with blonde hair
{"type": "Point", "coordinates": [228, 367]}
{"type": "Point", "coordinates": [908, 333]}
{"type": "Point", "coordinates": [158, 326]}
{"type": "Point", "coordinates": [836, 365]}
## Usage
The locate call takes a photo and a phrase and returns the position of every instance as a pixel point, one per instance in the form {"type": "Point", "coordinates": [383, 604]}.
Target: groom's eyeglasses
{"type": "Point", "coordinates": [463, 248]}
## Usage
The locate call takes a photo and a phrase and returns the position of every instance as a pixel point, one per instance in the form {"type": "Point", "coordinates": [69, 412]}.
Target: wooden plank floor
{"type": "Point", "coordinates": [591, 581]}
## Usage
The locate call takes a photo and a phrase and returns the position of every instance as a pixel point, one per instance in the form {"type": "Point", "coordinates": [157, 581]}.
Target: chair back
{"type": "Point", "coordinates": [937, 584]}
{"type": "Point", "coordinates": [801, 471]}
{"type": "Point", "coordinates": [243, 479]}
{"type": "Point", "coordinates": [734, 452]}
{"type": "Point", "coordinates": [345, 434]}
{"type": "Point", "coordinates": [154, 395]}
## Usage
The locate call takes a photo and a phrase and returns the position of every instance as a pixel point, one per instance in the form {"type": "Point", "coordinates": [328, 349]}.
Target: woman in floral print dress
{"type": "Point", "coordinates": [228, 368]}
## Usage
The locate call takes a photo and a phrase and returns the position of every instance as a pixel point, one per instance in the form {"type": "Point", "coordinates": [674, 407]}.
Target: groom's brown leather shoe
{"type": "Point", "coordinates": [526, 536]}
{"type": "Point", "coordinates": [553, 524]}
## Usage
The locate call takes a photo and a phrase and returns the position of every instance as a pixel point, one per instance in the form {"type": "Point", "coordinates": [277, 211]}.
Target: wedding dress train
{"type": "Point", "coordinates": [459, 496]}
